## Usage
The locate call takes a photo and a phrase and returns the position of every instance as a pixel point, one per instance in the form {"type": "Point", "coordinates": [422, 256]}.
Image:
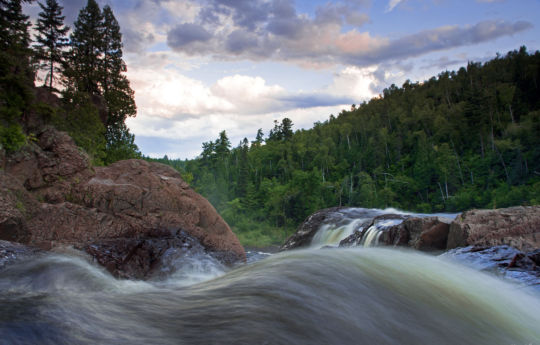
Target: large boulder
{"type": "Point", "coordinates": [422, 233]}
{"type": "Point", "coordinates": [518, 227]}
{"type": "Point", "coordinates": [51, 196]}
{"type": "Point", "coordinates": [137, 197]}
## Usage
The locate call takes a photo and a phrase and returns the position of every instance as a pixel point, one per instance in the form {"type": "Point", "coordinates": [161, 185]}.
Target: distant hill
{"type": "Point", "coordinates": [461, 140]}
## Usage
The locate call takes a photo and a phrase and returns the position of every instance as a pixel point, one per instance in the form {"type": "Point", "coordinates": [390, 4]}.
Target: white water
{"type": "Point", "coordinates": [305, 297]}
{"type": "Point", "coordinates": [331, 234]}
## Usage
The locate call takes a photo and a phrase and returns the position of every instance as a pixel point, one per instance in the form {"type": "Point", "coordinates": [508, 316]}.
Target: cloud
{"type": "Point", "coordinates": [173, 95]}
{"type": "Point", "coordinates": [185, 35]}
{"type": "Point", "coordinates": [438, 39]}
{"type": "Point", "coordinates": [182, 137]}
{"type": "Point", "coordinates": [260, 30]}
{"type": "Point", "coordinates": [392, 4]}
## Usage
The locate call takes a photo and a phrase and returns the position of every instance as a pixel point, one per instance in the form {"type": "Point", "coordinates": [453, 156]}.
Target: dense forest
{"type": "Point", "coordinates": [461, 140]}
{"type": "Point", "coordinates": [84, 89]}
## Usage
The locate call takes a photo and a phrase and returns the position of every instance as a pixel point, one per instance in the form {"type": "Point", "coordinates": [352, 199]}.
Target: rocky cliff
{"type": "Point", "coordinates": [125, 215]}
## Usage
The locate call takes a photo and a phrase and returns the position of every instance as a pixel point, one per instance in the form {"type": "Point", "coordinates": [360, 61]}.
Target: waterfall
{"type": "Point", "coordinates": [363, 222]}
{"type": "Point", "coordinates": [332, 234]}
{"type": "Point", "coordinates": [304, 297]}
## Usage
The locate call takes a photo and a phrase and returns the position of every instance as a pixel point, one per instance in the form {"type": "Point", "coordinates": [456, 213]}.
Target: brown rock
{"type": "Point", "coordinates": [49, 164]}
{"type": "Point", "coordinates": [518, 227]}
{"type": "Point", "coordinates": [140, 196]}
{"type": "Point", "coordinates": [16, 206]}
{"type": "Point", "coordinates": [80, 205]}
{"type": "Point", "coordinates": [428, 233]}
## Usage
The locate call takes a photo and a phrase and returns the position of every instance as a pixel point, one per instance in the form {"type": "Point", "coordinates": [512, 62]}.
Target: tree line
{"type": "Point", "coordinates": [464, 139]}
{"type": "Point", "coordinates": [85, 67]}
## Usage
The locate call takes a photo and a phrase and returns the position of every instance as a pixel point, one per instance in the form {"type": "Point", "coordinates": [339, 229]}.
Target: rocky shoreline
{"type": "Point", "coordinates": [505, 242]}
{"type": "Point", "coordinates": [130, 212]}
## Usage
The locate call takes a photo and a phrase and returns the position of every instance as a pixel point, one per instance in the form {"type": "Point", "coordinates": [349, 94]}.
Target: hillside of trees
{"type": "Point", "coordinates": [85, 91]}
{"type": "Point", "coordinates": [461, 140]}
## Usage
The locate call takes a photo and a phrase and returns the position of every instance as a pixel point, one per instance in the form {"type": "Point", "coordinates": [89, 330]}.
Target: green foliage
{"type": "Point", "coordinates": [465, 139]}
{"type": "Point", "coordinates": [16, 74]}
{"type": "Point", "coordinates": [51, 39]}
{"type": "Point", "coordinates": [11, 138]}
{"type": "Point", "coordinates": [84, 58]}
{"type": "Point", "coordinates": [81, 121]}
{"type": "Point", "coordinates": [120, 144]}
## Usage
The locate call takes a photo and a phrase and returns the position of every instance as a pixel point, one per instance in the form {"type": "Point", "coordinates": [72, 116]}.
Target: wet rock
{"type": "Point", "coordinates": [503, 260]}
{"type": "Point", "coordinates": [141, 258]}
{"type": "Point", "coordinates": [305, 232]}
{"type": "Point", "coordinates": [11, 252]}
{"type": "Point", "coordinates": [518, 227]}
{"type": "Point", "coordinates": [335, 215]}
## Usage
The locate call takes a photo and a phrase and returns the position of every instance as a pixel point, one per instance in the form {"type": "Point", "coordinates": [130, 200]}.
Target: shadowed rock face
{"type": "Point", "coordinates": [52, 196]}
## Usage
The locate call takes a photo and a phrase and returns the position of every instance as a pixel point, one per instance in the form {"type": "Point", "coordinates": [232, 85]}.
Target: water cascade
{"type": "Point", "coordinates": [347, 222]}
{"type": "Point", "coordinates": [339, 296]}
{"type": "Point", "coordinates": [332, 234]}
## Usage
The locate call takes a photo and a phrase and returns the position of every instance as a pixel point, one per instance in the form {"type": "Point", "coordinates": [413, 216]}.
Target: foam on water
{"type": "Point", "coordinates": [333, 296]}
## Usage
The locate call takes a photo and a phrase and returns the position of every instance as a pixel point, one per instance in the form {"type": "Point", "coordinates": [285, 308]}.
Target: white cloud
{"type": "Point", "coordinates": [392, 4]}
{"type": "Point", "coordinates": [249, 95]}
{"type": "Point", "coordinates": [355, 82]}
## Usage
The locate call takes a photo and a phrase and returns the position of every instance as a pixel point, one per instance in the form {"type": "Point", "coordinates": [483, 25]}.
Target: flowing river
{"type": "Point", "coordinates": [315, 296]}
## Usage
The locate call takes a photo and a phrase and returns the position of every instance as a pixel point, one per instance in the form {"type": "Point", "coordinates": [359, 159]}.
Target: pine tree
{"type": "Point", "coordinates": [120, 144]}
{"type": "Point", "coordinates": [86, 50]}
{"type": "Point", "coordinates": [243, 173]}
{"type": "Point", "coordinates": [51, 38]}
{"type": "Point", "coordinates": [14, 25]}
{"type": "Point", "coordinates": [115, 85]}
{"type": "Point", "coordinates": [222, 145]}
{"type": "Point", "coordinates": [16, 75]}
{"type": "Point", "coordinates": [117, 92]}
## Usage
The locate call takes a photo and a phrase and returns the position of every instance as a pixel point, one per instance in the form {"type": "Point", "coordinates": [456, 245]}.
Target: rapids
{"type": "Point", "coordinates": [353, 219]}
{"type": "Point", "coordinates": [315, 296]}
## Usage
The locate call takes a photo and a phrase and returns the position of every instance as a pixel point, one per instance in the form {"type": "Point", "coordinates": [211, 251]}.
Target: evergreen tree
{"type": "Point", "coordinates": [86, 50]}
{"type": "Point", "coordinates": [115, 85]}
{"type": "Point", "coordinates": [51, 38]}
{"type": "Point", "coordinates": [16, 75]}
{"type": "Point", "coordinates": [120, 144]}
{"type": "Point", "coordinates": [13, 25]}
{"type": "Point", "coordinates": [243, 173]}
{"type": "Point", "coordinates": [222, 145]}
{"type": "Point", "coordinates": [117, 92]}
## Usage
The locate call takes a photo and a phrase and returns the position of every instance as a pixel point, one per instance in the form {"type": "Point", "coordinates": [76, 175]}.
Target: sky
{"type": "Point", "coordinates": [199, 67]}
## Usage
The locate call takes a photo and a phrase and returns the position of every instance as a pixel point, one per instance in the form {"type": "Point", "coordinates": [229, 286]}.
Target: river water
{"type": "Point", "coordinates": [315, 296]}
